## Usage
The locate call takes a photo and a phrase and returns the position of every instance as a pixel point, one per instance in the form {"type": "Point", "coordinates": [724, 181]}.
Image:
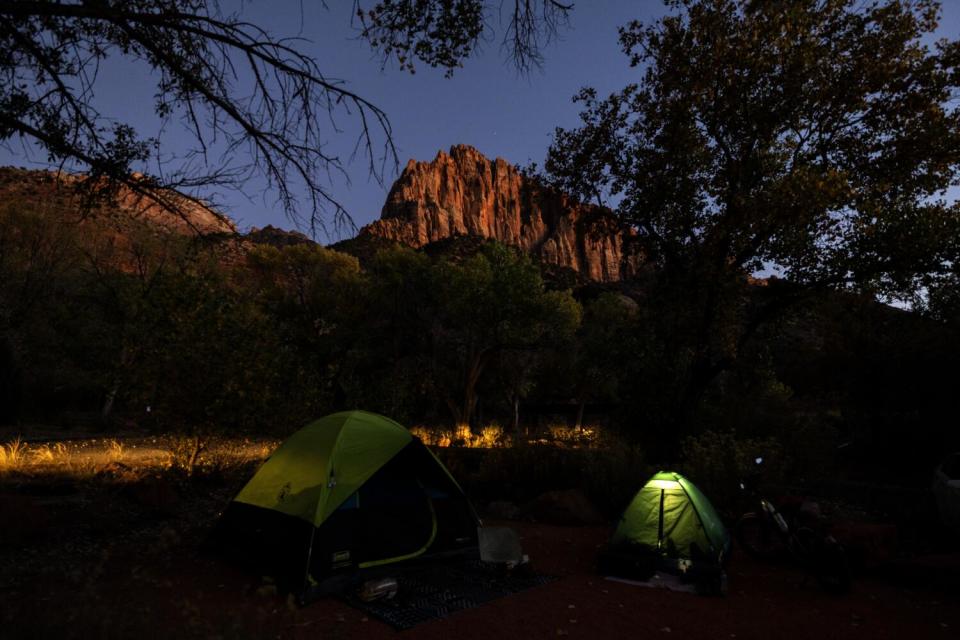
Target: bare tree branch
{"type": "Point", "coordinates": [237, 89]}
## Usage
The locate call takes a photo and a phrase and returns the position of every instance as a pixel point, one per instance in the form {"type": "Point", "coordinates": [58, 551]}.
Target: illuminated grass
{"type": "Point", "coordinates": [14, 455]}
{"type": "Point", "coordinates": [116, 450]}
{"type": "Point", "coordinates": [494, 436]}
{"type": "Point", "coordinates": [44, 454]}
{"type": "Point", "coordinates": [85, 459]}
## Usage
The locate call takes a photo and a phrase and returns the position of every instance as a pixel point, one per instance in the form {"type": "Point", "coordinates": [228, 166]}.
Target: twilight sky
{"type": "Point", "coordinates": [486, 104]}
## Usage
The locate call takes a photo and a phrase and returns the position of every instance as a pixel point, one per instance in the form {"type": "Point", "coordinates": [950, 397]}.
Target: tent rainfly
{"type": "Point", "coordinates": [669, 525]}
{"type": "Point", "coordinates": [349, 492]}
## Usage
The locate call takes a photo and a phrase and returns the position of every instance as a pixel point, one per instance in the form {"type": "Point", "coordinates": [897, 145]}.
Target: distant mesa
{"type": "Point", "coordinates": [57, 188]}
{"type": "Point", "coordinates": [463, 193]}
{"type": "Point", "coordinates": [276, 237]}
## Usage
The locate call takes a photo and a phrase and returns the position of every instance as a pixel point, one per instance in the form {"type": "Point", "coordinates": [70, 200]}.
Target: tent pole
{"type": "Point", "coordinates": [306, 570]}
{"type": "Point", "coordinates": [660, 525]}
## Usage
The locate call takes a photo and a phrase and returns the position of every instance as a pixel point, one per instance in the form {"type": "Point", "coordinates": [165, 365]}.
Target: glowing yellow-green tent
{"type": "Point", "coordinates": [671, 515]}
{"type": "Point", "coordinates": [348, 492]}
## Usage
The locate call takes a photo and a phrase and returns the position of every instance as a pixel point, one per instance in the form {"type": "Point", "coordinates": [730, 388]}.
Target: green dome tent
{"type": "Point", "coordinates": [348, 492]}
{"type": "Point", "coordinates": [670, 525]}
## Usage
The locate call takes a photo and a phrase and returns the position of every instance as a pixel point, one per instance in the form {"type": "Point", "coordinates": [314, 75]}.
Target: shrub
{"type": "Point", "coordinates": [717, 461]}
{"type": "Point", "coordinates": [608, 477]}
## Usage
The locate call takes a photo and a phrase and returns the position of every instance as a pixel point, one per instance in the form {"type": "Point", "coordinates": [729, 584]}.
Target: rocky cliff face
{"type": "Point", "coordinates": [464, 193]}
{"type": "Point", "coordinates": [58, 190]}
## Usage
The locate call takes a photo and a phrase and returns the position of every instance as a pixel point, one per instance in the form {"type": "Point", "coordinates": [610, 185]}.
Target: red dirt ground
{"type": "Point", "coordinates": [173, 591]}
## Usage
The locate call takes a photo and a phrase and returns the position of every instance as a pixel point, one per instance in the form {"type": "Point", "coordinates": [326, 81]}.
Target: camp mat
{"type": "Point", "coordinates": [659, 581]}
{"type": "Point", "coordinates": [430, 592]}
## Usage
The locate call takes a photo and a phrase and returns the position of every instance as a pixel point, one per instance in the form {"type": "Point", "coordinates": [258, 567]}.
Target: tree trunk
{"type": "Point", "coordinates": [702, 369]}
{"type": "Point", "coordinates": [10, 391]}
{"type": "Point", "coordinates": [127, 358]}
{"type": "Point", "coordinates": [464, 415]}
{"type": "Point", "coordinates": [107, 409]}
{"type": "Point", "coordinates": [469, 404]}
{"type": "Point", "coordinates": [197, 446]}
{"type": "Point", "coordinates": [455, 412]}
{"type": "Point", "coordinates": [516, 413]}
{"type": "Point", "coordinates": [580, 406]}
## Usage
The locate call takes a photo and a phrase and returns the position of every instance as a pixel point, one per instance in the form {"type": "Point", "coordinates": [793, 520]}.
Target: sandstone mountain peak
{"type": "Point", "coordinates": [462, 192]}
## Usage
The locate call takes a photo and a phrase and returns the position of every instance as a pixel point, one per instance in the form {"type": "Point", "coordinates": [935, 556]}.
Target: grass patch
{"type": "Point", "coordinates": [116, 450]}
{"type": "Point", "coordinates": [109, 461]}
{"type": "Point", "coordinates": [494, 436]}
{"type": "Point", "coordinates": [14, 454]}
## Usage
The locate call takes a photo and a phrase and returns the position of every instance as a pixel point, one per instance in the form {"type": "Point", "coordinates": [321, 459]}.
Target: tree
{"type": "Point", "coordinates": [239, 91]}
{"type": "Point", "coordinates": [122, 290]}
{"type": "Point", "coordinates": [387, 366]}
{"type": "Point", "coordinates": [492, 304]}
{"type": "Point", "coordinates": [38, 249]}
{"type": "Point", "coordinates": [814, 136]}
{"type": "Point", "coordinates": [211, 362]}
{"type": "Point", "coordinates": [607, 340]}
{"type": "Point", "coordinates": [314, 299]}
{"type": "Point", "coordinates": [38, 245]}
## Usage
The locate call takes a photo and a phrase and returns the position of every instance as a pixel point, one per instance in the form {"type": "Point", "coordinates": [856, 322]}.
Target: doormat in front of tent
{"type": "Point", "coordinates": [431, 592]}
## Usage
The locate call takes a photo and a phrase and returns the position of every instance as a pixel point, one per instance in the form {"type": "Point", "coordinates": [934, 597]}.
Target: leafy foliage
{"type": "Point", "coordinates": [493, 305]}
{"type": "Point", "coordinates": [444, 33]}
{"type": "Point", "coordinates": [158, 329]}
{"type": "Point", "coordinates": [813, 137]}
{"type": "Point", "coordinates": [440, 34]}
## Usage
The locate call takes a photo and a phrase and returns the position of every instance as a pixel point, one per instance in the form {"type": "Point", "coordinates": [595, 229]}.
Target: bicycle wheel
{"type": "Point", "coordinates": [758, 537]}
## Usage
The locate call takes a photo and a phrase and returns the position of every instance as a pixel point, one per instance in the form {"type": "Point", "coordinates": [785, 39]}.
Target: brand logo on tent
{"type": "Point", "coordinates": [284, 492]}
{"type": "Point", "coordinates": [340, 559]}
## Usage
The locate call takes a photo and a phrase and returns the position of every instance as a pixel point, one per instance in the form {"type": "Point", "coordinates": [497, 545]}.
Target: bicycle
{"type": "Point", "coordinates": [766, 534]}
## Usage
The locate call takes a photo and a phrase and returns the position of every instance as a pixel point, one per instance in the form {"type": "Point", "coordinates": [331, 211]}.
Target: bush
{"type": "Point", "coordinates": [608, 477]}
{"type": "Point", "coordinates": [717, 461]}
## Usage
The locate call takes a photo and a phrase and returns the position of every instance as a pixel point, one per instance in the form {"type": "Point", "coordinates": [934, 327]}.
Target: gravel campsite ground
{"type": "Point", "coordinates": [106, 550]}
{"type": "Point", "coordinates": [169, 589]}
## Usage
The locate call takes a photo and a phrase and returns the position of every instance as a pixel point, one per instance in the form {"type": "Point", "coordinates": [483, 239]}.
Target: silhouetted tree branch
{"type": "Point", "coordinates": [239, 90]}
{"type": "Point", "coordinates": [444, 33]}
{"type": "Point", "coordinates": [256, 105]}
